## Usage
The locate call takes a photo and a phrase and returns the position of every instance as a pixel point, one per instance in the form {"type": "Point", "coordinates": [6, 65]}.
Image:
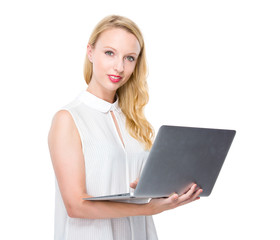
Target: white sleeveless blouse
{"type": "Point", "coordinates": [110, 166]}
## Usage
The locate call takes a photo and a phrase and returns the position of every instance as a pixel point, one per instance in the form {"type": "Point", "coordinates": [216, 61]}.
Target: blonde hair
{"type": "Point", "coordinates": [133, 95]}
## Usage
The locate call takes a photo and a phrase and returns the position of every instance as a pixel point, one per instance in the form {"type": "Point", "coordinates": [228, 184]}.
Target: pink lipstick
{"type": "Point", "coordinates": [114, 78]}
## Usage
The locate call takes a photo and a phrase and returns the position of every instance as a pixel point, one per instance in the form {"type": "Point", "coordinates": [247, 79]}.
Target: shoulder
{"type": "Point", "coordinates": [63, 118]}
{"type": "Point", "coordinates": [63, 127]}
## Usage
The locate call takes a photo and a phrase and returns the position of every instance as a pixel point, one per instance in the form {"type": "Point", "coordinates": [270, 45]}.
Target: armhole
{"type": "Point", "coordinates": [77, 126]}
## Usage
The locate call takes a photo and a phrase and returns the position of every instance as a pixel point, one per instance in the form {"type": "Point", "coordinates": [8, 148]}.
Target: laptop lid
{"type": "Point", "coordinates": [181, 156]}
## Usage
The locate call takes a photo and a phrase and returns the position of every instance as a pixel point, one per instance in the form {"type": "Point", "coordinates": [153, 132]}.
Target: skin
{"type": "Point", "coordinates": [116, 53]}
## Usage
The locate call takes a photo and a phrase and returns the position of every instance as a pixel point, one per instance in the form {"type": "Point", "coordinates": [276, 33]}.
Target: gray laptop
{"type": "Point", "coordinates": [180, 156]}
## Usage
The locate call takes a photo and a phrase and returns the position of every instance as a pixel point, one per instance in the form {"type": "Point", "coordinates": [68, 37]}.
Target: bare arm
{"type": "Point", "coordinates": [68, 163]}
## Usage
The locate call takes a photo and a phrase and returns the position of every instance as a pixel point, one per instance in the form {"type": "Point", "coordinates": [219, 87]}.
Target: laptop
{"type": "Point", "coordinates": [179, 157]}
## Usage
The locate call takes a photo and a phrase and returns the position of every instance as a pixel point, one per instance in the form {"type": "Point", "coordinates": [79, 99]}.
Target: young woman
{"type": "Point", "coordinates": [100, 141]}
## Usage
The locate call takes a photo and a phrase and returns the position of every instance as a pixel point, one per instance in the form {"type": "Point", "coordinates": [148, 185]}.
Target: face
{"type": "Point", "coordinates": [113, 58]}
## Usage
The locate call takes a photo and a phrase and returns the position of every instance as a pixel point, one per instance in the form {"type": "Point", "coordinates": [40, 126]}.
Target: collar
{"type": "Point", "coordinates": [97, 103]}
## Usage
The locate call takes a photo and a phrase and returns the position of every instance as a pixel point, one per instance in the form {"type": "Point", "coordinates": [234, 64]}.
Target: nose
{"type": "Point", "coordinates": [119, 65]}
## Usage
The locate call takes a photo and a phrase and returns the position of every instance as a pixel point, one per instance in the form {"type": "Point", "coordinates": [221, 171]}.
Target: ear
{"type": "Point", "coordinates": [89, 52]}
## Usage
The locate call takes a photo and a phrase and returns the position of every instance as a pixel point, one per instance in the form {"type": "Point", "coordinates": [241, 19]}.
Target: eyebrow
{"type": "Point", "coordinates": [116, 50]}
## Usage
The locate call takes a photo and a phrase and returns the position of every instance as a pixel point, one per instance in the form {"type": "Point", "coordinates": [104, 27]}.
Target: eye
{"type": "Point", "coordinates": [109, 53]}
{"type": "Point", "coordinates": [130, 58]}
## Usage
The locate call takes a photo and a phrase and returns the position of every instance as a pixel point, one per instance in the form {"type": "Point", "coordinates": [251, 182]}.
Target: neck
{"type": "Point", "coordinates": [108, 96]}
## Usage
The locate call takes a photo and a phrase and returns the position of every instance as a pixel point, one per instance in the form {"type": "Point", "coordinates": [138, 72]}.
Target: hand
{"type": "Point", "coordinates": [134, 184]}
{"type": "Point", "coordinates": [158, 205]}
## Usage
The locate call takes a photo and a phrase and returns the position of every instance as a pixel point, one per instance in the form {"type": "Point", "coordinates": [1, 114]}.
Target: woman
{"type": "Point", "coordinates": [99, 142]}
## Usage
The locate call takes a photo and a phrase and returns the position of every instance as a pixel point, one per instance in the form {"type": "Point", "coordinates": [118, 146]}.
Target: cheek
{"type": "Point", "coordinates": [100, 66]}
{"type": "Point", "coordinates": [129, 69]}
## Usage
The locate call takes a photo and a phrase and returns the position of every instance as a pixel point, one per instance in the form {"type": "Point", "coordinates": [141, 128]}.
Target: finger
{"type": "Point", "coordinates": [196, 194]}
{"type": "Point", "coordinates": [134, 184]}
{"type": "Point", "coordinates": [188, 187]}
{"type": "Point", "coordinates": [172, 198]}
{"type": "Point", "coordinates": [136, 181]}
{"type": "Point", "coordinates": [172, 194]}
{"type": "Point", "coordinates": [193, 198]}
{"type": "Point", "coordinates": [188, 194]}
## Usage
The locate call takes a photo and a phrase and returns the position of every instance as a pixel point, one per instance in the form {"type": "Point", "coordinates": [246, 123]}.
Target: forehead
{"type": "Point", "coordinates": [120, 40]}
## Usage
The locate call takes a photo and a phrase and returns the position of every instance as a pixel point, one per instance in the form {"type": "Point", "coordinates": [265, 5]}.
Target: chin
{"type": "Point", "coordinates": [113, 87]}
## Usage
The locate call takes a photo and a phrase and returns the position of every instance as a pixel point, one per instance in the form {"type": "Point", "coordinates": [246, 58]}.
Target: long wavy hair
{"type": "Point", "coordinates": [133, 95]}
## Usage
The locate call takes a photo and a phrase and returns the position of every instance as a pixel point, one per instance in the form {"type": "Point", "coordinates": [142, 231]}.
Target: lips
{"type": "Point", "coordinates": [115, 78]}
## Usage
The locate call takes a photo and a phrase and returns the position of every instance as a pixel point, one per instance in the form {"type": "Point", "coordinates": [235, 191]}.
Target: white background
{"type": "Point", "coordinates": [211, 64]}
